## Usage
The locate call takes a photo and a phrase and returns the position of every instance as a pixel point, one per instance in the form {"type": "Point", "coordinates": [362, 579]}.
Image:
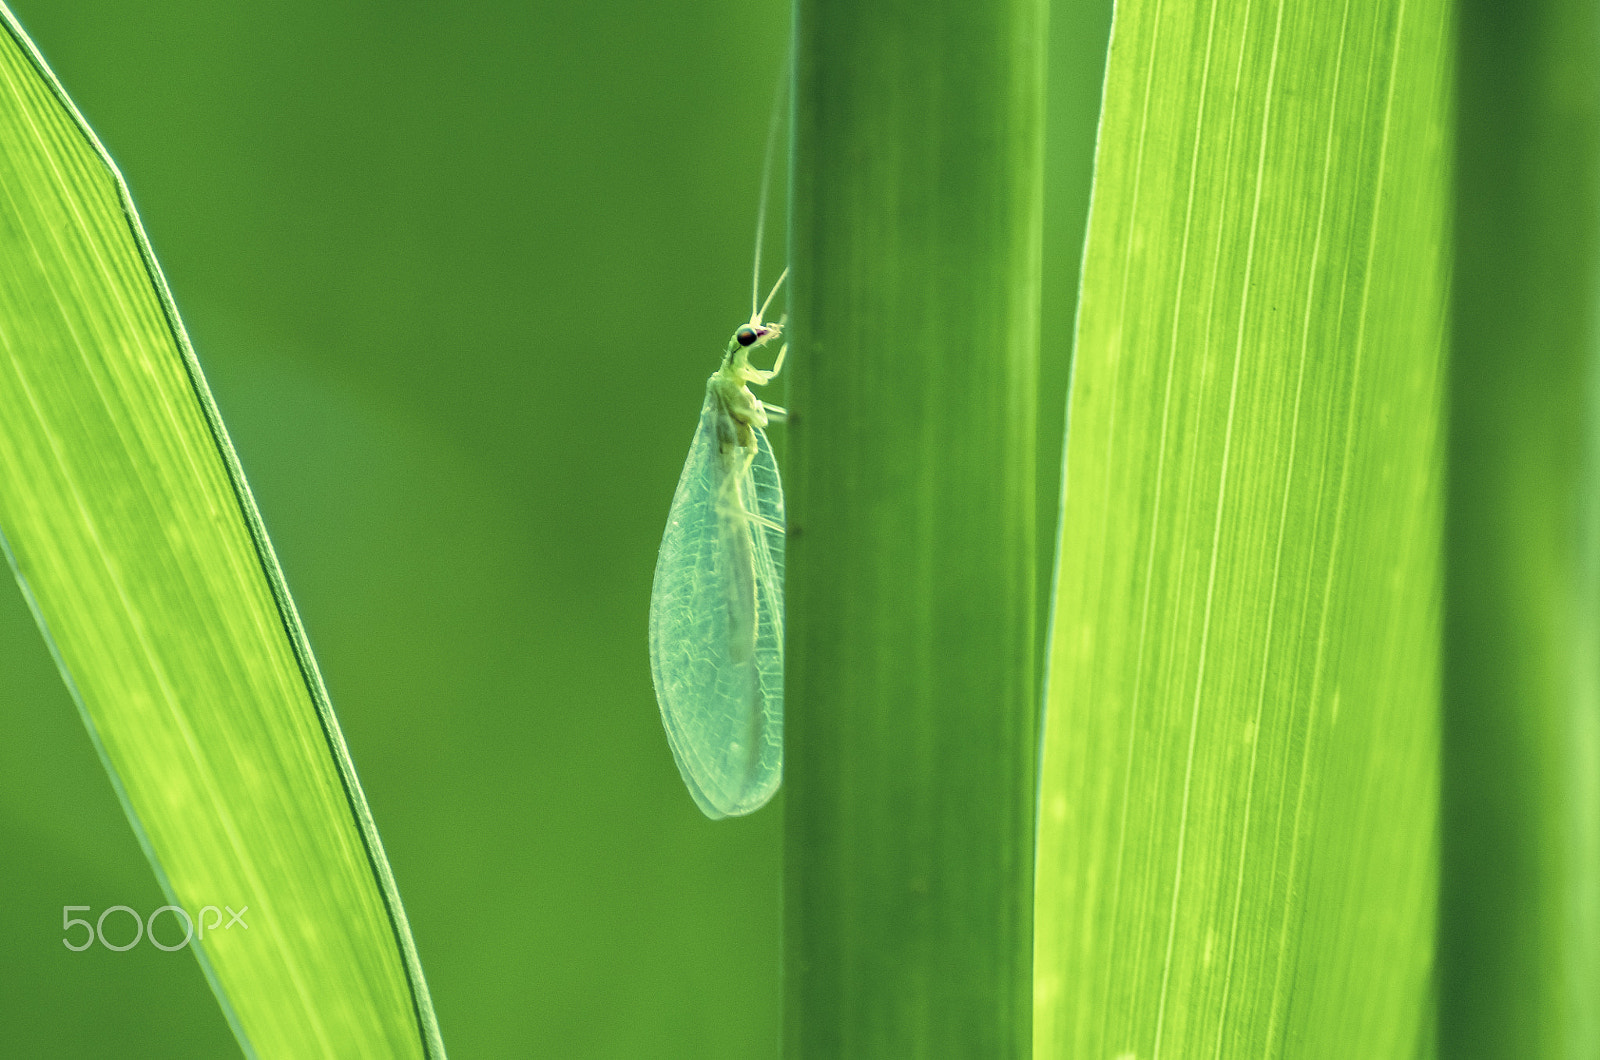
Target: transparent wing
{"type": "Point", "coordinates": [716, 620]}
{"type": "Point", "coordinates": [766, 488]}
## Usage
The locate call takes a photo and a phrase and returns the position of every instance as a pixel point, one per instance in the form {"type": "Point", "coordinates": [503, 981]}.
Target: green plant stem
{"type": "Point", "coordinates": [1520, 925]}
{"type": "Point", "coordinates": [910, 754]}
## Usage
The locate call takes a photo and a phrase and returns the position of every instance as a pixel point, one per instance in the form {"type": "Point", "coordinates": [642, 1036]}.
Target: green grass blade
{"type": "Point", "coordinates": [1237, 848]}
{"type": "Point", "coordinates": [1520, 942]}
{"type": "Point", "coordinates": [130, 528]}
{"type": "Point", "coordinates": [911, 694]}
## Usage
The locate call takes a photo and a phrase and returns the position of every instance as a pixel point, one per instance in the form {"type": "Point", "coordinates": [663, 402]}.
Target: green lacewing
{"type": "Point", "coordinates": [716, 606]}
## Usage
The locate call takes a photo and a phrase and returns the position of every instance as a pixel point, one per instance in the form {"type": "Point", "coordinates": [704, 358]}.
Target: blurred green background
{"type": "Point", "coordinates": [456, 275]}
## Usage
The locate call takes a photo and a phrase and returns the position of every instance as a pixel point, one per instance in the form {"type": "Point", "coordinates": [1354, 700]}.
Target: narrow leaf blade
{"type": "Point", "coordinates": [130, 527]}
{"type": "Point", "coordinates": [1239, 781]}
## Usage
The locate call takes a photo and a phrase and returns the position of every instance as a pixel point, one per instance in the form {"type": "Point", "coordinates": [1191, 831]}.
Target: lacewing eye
{"type": "Point", "coordinates": [747, 335]}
